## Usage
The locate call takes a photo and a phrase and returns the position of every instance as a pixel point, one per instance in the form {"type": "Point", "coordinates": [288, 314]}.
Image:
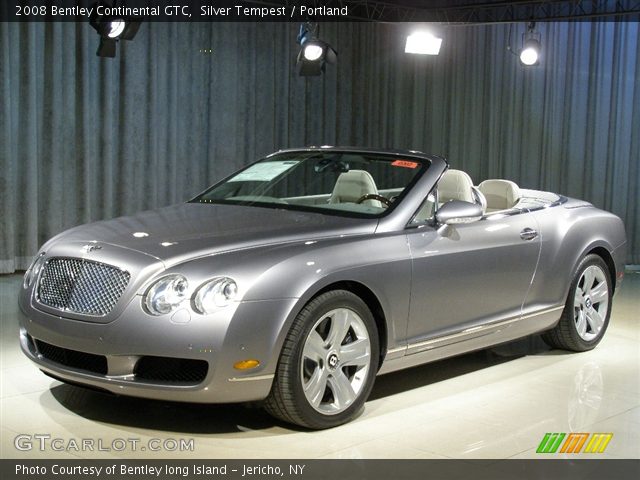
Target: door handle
{"type": "Point", "coordinates": [528, 234]}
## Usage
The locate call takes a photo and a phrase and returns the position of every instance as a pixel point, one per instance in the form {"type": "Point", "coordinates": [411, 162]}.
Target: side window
{"type": "Point", "coordinates": [426, 211]}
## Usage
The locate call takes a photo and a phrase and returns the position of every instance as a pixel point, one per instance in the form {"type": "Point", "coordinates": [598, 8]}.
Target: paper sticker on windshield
{"type": "Point", "coordinates": [264, 171]}
{"type": "Point", "coordinates": [405, 164]}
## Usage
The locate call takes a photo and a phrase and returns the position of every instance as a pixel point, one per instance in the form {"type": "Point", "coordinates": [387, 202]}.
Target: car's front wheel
{"type": "Point", "coordinates": [328, 363]}
{"type": "Point", "coordinates": [586, 313]}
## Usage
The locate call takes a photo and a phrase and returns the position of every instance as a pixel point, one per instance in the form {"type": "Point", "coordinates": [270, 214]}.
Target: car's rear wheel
{"type": "Point", "coordinates": [588, 308]}
{"type": "Point", "coordinates": [328, 363]}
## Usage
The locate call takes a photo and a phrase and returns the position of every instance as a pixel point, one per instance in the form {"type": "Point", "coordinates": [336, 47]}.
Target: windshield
{"type": "Point", "coordinates": [351, 183]}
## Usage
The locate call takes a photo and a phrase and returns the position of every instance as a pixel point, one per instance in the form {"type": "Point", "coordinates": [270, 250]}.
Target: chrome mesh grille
{"type": "Point", "coordinates": [81, 286]}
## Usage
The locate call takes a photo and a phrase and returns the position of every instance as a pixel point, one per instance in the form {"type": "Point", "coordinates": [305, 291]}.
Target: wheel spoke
{"type": "Point", "coordinates": [578, 299]}
{"type": "Point", "coordinates": [599, 293]}
{"type": "Point", "coordinates": [314, 348]}
{"type": "Point", "coordinates": [339, 327]}
{"type": "Point", "coordinates": [316, 386]}
{"type": "Point", "coordinates": [588, 279]}
{"type": "Point", "coordinates": [595, 321]}
{"type": "Point", "coordinates": [355, 353]}
{"type": "Point", "coordinates": [340, 385]}
{"type": "Point", "coordinates": [581, 324]}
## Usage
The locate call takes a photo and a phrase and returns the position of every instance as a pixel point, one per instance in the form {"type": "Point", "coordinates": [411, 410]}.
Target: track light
{"type": "Point", "coordinates": [111, 27]}
{"type": "Point", "coordinates": [314, 53]}
{"type": "Point", "coordinates": [531, 47]}
{"type": "Point", "coordinates": [423, 43]}
{"type": "Point", "coordinates": [529, 55]}
{"type": "Point", "coordinates": [116, 28]}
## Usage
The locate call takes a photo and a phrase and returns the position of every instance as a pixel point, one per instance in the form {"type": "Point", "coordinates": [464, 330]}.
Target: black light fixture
{"type": "Point", "coordinates": [314, 53]}
{"type": "Point", "coordinates": [111, 28]}
{"type": "Point", "coordinates": [531, 47]}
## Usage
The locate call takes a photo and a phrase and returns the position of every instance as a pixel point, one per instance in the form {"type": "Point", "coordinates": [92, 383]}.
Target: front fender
{"type": "Point", "coordinates": [300, 270]}
{"type": "Point", "coordinates": [381, 263]}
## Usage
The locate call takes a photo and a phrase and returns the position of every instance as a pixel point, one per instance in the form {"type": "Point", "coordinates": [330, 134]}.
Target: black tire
{"type": "Point", "coordinates": [287, 400]}
{"type": "Point", "coordinates": [565, 334]}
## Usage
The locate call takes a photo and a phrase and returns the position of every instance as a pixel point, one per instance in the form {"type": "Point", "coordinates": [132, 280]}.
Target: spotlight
{"type": "Point", "coordinates": [312, 51]}
{"type": "Point", "coordinates": [111, 28]}
{"type": "Point", "coordinates": [531, 47]}
{"type": "Point", "coordinates": [530, 53]}
{"type": "Point", "coordinates": [423, 43]}
{"type": "Point", "coordinates": [314, 54]}
{"type": "Point", "coordinates": [115, 28]}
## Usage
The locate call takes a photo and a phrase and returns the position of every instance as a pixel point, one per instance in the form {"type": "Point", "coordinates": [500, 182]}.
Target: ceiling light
{"type": "Point", "coordinates": [531, 47]}
{"type": "Point", "coordinates": [530, 53]}
{"type": "Point", "coordinates": [111, 28]}
{"type": "Point", "coordinates": [314, 53]}
{"type": "Point", "coordinates": [423, 43]}
{"type": "Point", "coordinates": [115, 28]}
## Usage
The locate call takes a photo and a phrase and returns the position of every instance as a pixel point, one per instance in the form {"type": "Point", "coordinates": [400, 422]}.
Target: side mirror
{"type": "Point", "coordinates": [456, 212]}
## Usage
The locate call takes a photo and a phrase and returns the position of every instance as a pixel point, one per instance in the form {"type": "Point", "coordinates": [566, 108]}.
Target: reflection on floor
{"type": "Point", "coordinates": [497, 403]}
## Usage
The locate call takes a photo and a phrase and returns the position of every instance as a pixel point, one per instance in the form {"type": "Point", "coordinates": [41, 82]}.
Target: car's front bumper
{"type": "Point", "coordinates": [248, 330]}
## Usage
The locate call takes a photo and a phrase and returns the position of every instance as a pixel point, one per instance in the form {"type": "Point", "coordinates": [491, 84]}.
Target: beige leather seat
{"type": "Point", "coordinates": [500, 194]}
{"type": "Point", "coordinates": [455, 185]}
{"type": "Point", "coordinates": [352, 185]}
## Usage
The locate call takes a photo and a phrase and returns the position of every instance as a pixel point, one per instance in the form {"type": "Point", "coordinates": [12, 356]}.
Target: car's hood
{"type": "Point", "coordinates": [178, 232]}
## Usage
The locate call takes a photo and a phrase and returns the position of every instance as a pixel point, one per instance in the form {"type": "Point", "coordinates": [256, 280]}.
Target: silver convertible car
{"type": "Point", "coordinates": [298, 279]}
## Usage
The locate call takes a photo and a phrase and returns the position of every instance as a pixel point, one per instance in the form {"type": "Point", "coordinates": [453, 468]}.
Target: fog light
{"type": "Point", "coordinates": [246, 364]}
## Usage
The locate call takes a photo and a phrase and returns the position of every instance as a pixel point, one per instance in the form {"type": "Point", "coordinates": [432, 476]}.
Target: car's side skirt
{"type": "Point", "coordinates": [470, 339]}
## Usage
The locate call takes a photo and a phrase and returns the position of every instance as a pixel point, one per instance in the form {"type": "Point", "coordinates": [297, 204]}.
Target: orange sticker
{"type": "Point", "coordinates": [405, 164]}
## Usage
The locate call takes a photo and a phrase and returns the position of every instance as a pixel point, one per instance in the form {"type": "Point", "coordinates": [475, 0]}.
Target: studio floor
{"type": "Point", "coordinates": [497, 403]}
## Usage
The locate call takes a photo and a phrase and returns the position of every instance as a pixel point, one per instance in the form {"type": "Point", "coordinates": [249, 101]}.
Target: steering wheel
{"type": "Point", "coordinates": [374, 196]}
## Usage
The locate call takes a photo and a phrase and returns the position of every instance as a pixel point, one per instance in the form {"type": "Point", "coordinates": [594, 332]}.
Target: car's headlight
{"type": "Point", "coordinates": [166, 294]}
{"type": "Point", "coordinates": [34, 269]}
{"type": "Point", "coordinates": [215, 294]}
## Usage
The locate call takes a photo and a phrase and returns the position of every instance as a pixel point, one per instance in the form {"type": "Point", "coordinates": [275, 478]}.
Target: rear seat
{"type": "Point", "coordinates": [500, 194]}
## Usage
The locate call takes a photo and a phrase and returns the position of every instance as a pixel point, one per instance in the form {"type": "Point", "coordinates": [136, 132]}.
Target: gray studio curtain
{"type": "Point", "coordinates": [83, 138]}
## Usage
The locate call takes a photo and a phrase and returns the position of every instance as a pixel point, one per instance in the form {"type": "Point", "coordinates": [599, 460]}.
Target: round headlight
{"type": "Point", "coordinates": [166, 294]}
{"type": "Point", "coordinates": [34, 269]}
{"type": "Point", "coordinates": [215, 294]}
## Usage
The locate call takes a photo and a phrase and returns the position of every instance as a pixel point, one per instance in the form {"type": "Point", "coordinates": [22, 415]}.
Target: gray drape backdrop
{"type": "Point", "coordinates": [83, 138]}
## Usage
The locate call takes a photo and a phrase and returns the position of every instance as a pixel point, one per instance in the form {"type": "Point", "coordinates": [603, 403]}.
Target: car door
{"type": "Point", "coordinates": [469, 274]}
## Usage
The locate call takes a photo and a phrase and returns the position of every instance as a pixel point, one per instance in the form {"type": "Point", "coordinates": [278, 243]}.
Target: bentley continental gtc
{"type": "Point", "coordinates": [300, 278]}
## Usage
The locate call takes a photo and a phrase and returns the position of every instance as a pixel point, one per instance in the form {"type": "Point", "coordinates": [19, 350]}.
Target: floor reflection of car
{"type": "Point", "coordinates": [301, 277]}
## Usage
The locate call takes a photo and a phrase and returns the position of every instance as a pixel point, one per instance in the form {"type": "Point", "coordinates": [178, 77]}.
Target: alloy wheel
{"type": "Point", "coordinates": [591, 302]}
{"type": "Point", "coordinates": [336, 359]}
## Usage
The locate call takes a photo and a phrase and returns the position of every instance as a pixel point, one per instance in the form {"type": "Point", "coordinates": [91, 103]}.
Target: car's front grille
{"type": "Point", "coordinates": [171, 370]}
{"type": "Point", "coordinates": [72, 358]}
{"type": "Point", "coordinates": [81, 286]}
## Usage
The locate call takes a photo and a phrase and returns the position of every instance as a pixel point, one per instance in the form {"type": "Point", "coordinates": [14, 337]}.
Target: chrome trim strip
{"type": "Point", "coordinates": [396, 350]}
{"type": "Point", "coordinates": [543, 312]}
{"type": "Point", "coordinates": [249, 379]}
{"type": "Point", "coordinates": [479, 328]}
